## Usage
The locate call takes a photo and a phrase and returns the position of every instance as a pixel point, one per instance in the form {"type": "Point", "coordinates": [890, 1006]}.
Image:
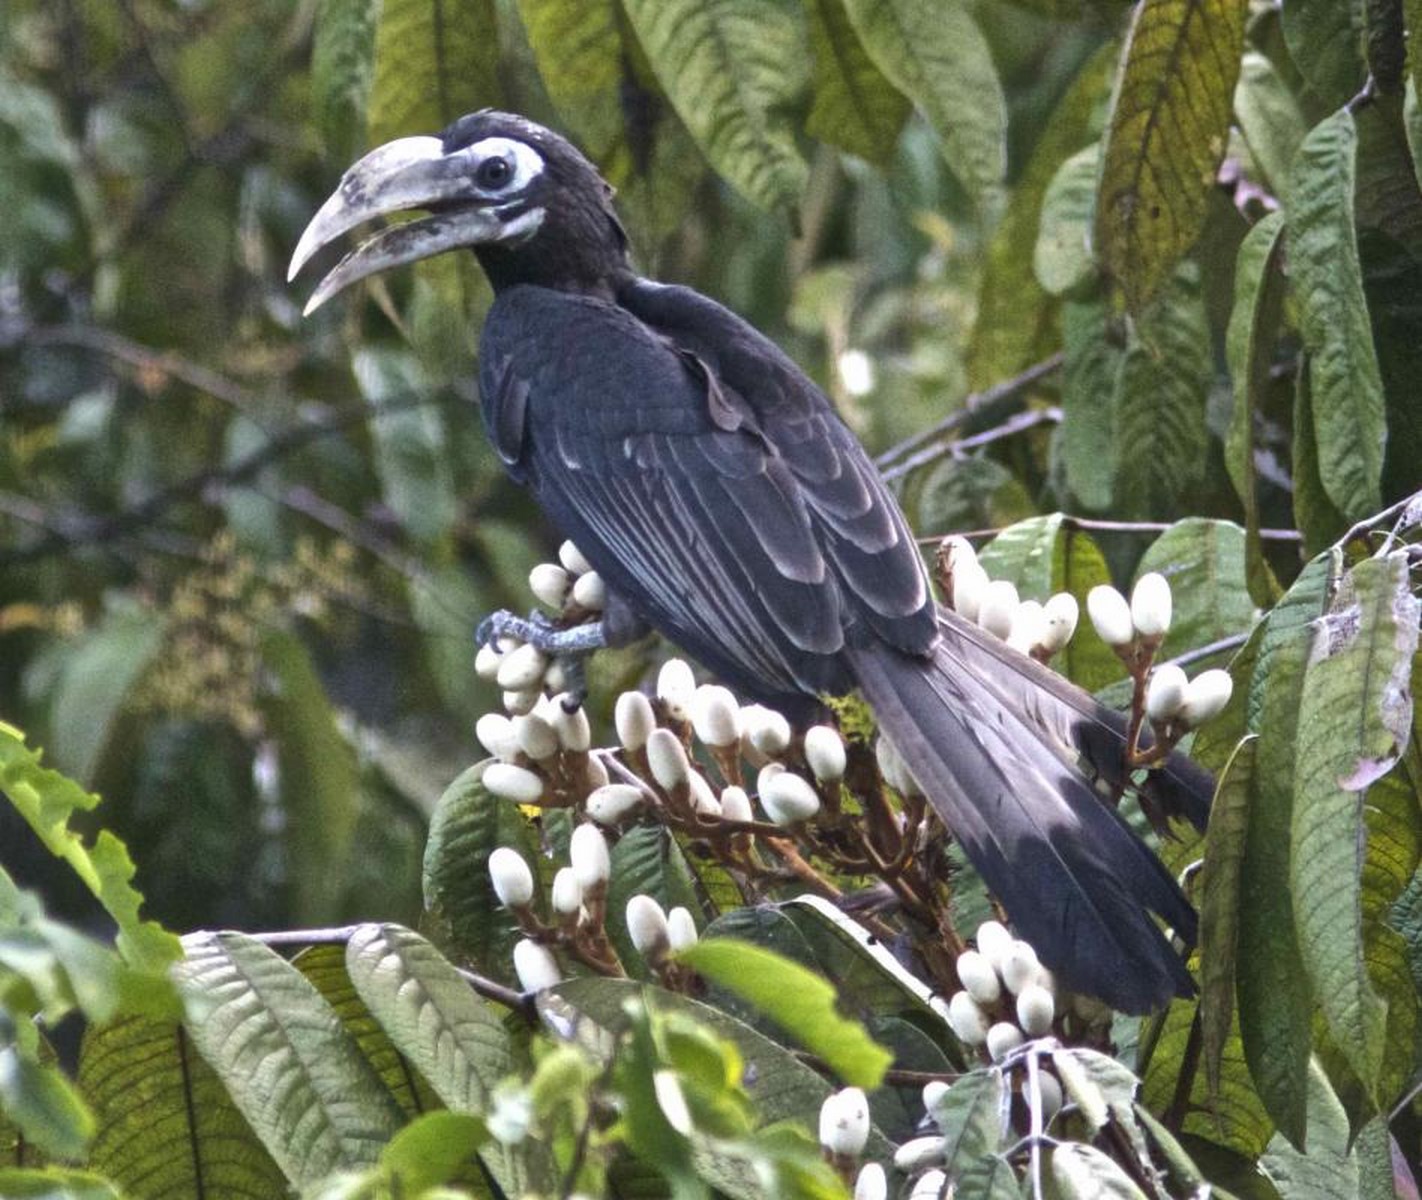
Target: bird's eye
{"type": "Point", "coordinates": [494, 172]}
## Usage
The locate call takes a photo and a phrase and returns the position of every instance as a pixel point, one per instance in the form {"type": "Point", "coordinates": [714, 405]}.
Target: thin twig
{"type": "Point", "coordinates": [1096, 525]}
{"type": "Point", "coordinates": [958, 446]}
{"type": "Point", "coordinates": [1233, 642]}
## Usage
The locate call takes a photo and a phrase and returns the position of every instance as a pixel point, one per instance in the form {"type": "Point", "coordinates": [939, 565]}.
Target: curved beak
{"type": "Point", "coordinates": [412, 172]}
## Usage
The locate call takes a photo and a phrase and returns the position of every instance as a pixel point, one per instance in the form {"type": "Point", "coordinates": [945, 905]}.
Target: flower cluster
{"type": "Point", "coordinates": [1039, 630]}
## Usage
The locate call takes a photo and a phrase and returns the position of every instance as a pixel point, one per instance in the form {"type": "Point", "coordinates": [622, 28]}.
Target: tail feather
{"type": "Point", "coordinates": [1077, 883]}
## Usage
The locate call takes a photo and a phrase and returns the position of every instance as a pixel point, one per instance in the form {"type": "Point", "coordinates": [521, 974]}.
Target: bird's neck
{"type": "Point", "coordinates": [578, 248]}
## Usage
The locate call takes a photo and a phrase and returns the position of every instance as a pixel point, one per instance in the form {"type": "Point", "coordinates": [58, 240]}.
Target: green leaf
{"type": "Point", "coordinates": [731, 68]}
{"type": "Point", "coordinates": [453, 1038]}
{"type": "Point", "coordinates": [1064, 259]}
{"type": "Point", "coordinates": [1089, 447]}
{"type": "Point", "coordinates": [1355, 717]}
{"type": "Point", "coordinates": [1386, 192]}
{"type": "Point", "coordinates": [342, 66]}
{"type": "Point", "coordinates": [646, 860]}
{"type": "Point", "coordinates": [44, 1105]}
{"type": "Point", "coordinates": [283, 1055]}
{"type": "Point", "coordinates": [970, 1116]}
{"type": "Point", "coordinates": [854, 107]}
{"type": "Point", "coordinates": [1325, 40]}
{"type": "Point", "coordinates": [320, 779]}
{"type": "Point", "coordinates": [1328, 1168]}
{"type": "Point", "coordinates": [55, 1183]}
{"type": "Point", "coordinates": [166, 1125]}
{"type": "Point", "coordinates": [1204, 562]}
{"type": "Point", "coordinates": [1160, 402]}
{"type": "Point", "coordinates": [435, 60]}
{"type": "Point", "coordinates": [1349, 421]}
{"type": "Point", "coordinates": [46, 799]}
{"type": "Point", "coordinates": [432, 1149]}
{"type": "Point", "coordinates": [1219, 899]}
{"type": "Point", "coordinates": [1168, 131]}
{"type": "Point", "coordinates": [1015, 320]}
{"type": "Point", "coordinates": [1081, 1172]}
{"type": "Point", "coordinates": [1269, 117]}
{"type": "Point", "coordinates": [1316, 516]}
{"type": "Point", "coordinates": [797, 1000]}
{"type": "Point", "coordinates": [934, 52]}
{"type": "Point", "coordinates": [1254, 327]}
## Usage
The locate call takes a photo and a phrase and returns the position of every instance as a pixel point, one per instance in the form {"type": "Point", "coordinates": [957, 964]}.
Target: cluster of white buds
{"type": "Point", "coordinates": [1037, 629]}
{"type": "Point", "coordinates": [547, 745]}
{"type": "Point", "coordinates": [657, 934]}
{"type": "Point", "coordinates": [1134, 629]}
{"type": "Point", "coordinates": [1007, 995]}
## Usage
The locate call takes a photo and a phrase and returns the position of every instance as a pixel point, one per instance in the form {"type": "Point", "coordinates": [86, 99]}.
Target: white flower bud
{"type": "Point", "coordinates": [715, 715]}
{"type": "Point", "coordinates": [978, 977]}
{"type": "Point", "coordinates": [1206, 697]}
{"type": "Point", "coordinates": [1110, 615]}
{"type": "Point", "coordinates": [1150, 605]}
{"type": "Point", "coordinates": [998, 607]}
{"type": "Point", "coordinates": [535, 966]}
{"type": "Point", "coordinates": [536, 737]}
{"type": "Point", "coordinates": [511, 877]}
{"type": "Point", "coordinates": [486, 662]}
{"type": "Point", "coordinates": [788, 799]}
{"type": "Point", "coordinates": [735, 804]}
{"type": "Point", "coordinates": [994, 942]}
{"type": "Point", "coordinates": [549, 584]}
{"type": "Point", "coordinates": [844, 1122]}
{"type": "Point", "coordinates": [667, 759]}
{"type": "Point", "coordinates": [956, 552]}
{"type": "Point", "coordinates": [496, 734]}
{"type": "Point", "coordinates": [1019, 968]}
{"type": "Point", "coordinates": [570, 724]}
{"type": "Point", "coordinates": [567, 892]}
{"type": "Point", "coordinates": [1060, 614]}
{"type": "Point", "coordinates": [893, 768]}
{"type": "Point", "coordinates": [931, 1185]}
{"type": "Point", "coordinates": [1165, 692]}
{"type": "Point", "coordinates": [572, 559]}
{"type": "Point", "coordinates": [647, 926]}
{"type": "Point", "coordinates": [970, 582]}
{"type": "Point", "coordinates": [518, 703]}
{"type": "Point", "coordinates": [509, 782]}
{"type": "Point", "coordinates": [676, 685]}
{"type": "Point", "coordinates": [1029, 627]}
{"type": "Point", "coordinates": [555, 679]}
{"type": "Point", "coordinates": [919, 1152]}
{"type": "Point", "coordinates": [681, 928]}
{"type": "Point", "coordinates": [1002, 1039]}
{"type": "Point", "coordinates": [522, 669]}
{"type": "Point", "coordinates": [1051, 1090]}
{"type": "Point", "coordinates": [872, 1183]}
{"type": "Point", "coordinates": [590, 592]}
{"type": "Point", "coordinates": [967, 1021]}
{"type": "Point", "coordinates": [824, 753]}
{"type": "Point", "coordinates": [933, 1092]}
{"type": "Point", "coordinates": [767, 730]}
{"type": "Point", "coordinates": [703, 799]}
{"type": "Point", "coordinates": [1035, 1010]}
{"type": "Point", "coordinates": [634, 719]}
{"type": "Point", "coordinates": [587, 852]}
{"type": "Point", "coordinates": [612, 802]}
{"type": "Point", "coordinates": [595, 773]}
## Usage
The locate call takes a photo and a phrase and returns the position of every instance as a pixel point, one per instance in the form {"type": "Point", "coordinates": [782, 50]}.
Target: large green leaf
{"type": "Point", "coordinates": [435, 60]}
{"type": "Point", "coordinates": [342, 66]}
{"type": "Point", "coordinates": [1315, 515]}
{"type": "Point", "coordinates": [934, 52]}
{"type": "Point", "coordinates": [1089, 446]}
{"type": "Point", "coordinates": [1325, 40]}
{"type": "Point", "coordinates": [1064, 259]}
{"type": "Point", "coordinates": [1329, 1167]}
{"type": "Point", "coordinates": [1204, 563]}
{"type": "Point", "coordinates": [1168, 132]}
{"type": "Point", "coordinates": [1355, 717]}
{"type": "Point", "coordinates": [1386, 191]}
{"type": "Point", "coordinates": [1269, 117]}
{"type": "Point", "coordinates": [167, 1129]}
{"type": "Point", "coordinates": [970, 1115]}
{"type": "Point", "coordinates": [854, 106]}
{"type": "Point", "coordinates": [731, 68]}
{"type": "Point", "coordinates": [285, 1058]}
{"type": "Point", "coordinates": [1349, 421]}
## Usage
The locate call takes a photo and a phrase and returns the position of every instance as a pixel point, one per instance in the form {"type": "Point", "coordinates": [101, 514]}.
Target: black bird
{"type": "Point", "coordinates": [717, 492]}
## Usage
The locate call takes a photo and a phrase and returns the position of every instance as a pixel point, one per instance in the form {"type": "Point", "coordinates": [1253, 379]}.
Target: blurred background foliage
{"type": "Point", "coordinates": [242, 554]}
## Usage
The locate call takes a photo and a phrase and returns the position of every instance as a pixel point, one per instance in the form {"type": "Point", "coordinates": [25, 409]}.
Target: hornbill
{"type": "Point", "coordinates": [717, 492]}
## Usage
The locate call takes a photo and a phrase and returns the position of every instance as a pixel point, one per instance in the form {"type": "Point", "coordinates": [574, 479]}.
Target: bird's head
{"type": "Point", "coordinates": [524, 199]}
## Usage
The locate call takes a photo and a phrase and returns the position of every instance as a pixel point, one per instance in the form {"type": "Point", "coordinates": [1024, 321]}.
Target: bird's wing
{"type": "Point", "coordinates": [741, 540]}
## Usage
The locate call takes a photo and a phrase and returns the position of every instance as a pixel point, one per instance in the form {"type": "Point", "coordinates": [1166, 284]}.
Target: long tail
{"type": "Point", "coordinates": [1000, 754]}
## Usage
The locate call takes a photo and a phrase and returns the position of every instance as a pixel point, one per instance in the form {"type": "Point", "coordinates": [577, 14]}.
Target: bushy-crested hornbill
{"type": "Point", "coordinates": [715, 489]}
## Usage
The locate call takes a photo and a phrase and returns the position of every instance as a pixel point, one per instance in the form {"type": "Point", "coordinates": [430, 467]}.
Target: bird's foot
{"type": "Point", "coordinates": [568, 646]}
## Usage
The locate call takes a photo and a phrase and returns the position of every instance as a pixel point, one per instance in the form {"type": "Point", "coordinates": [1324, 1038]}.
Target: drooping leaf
{"type": "Point", "coordinates": [1082, 1172]}
{"type": "Point", "coordinates": [287, 1062]}
{"type": "Point", "coordinates": [435, 60]}
{"type": "Point", "coordinates": [432, 1150]}
{"type": "Point", "coordinates": [1253, 331]}
{"type": "Point", "coordinates": [1328, 1167]}
{"type": "Point", "coordinates": [1269, 117]}
{"type": "Point", "coordinates": [1089, 445]}
{"type": "Point", "coordinates": [1065, 258]}
{"type": "Point", "coordinates": [1315, 515]}
{"type": "Point", "coordinates": [731, 68]}
{"type": "Point", "coordinates": [797, 1000]}
{"type": "Point", "coordinates": [1167, 136]}
{"type": "Point", "coordinates": [1386, 190]}
{"type": "Point", "coordinates": [1355, 717]}
{"type": "Point", "coordinates": [342, 66]}
{"type": "Point", "coordinates": [43, 1104]}
{"type": "Point", "coordinates": [167, 1128]}
{"type": "Point", "coordinates": [970, 1115]}
{"type": "Point", "coordinates": [1349, 421]}
{"type": "Point", "coordinates": [1325, 40]}
{"type": "Point", "coordinates": [936, 55]}
{"type": "Point", "coordinates": [854, 106]}
{"type": "Point", "coordinates": [1203, 561]}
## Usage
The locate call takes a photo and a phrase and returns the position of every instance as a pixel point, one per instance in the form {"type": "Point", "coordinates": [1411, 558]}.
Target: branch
{"type": "Point", "coordinates": [1013, 425]}
{"type": "Point", "coordinates": [1103, 526]}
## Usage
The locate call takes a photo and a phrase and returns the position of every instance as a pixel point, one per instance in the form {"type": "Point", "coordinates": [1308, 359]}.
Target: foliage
{"type": "Point", "coordinates": [1175, 246]}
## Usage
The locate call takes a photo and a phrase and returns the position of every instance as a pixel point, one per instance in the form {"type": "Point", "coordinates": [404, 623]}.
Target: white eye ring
{"type": "Point", "coordinates": [527, 163]}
